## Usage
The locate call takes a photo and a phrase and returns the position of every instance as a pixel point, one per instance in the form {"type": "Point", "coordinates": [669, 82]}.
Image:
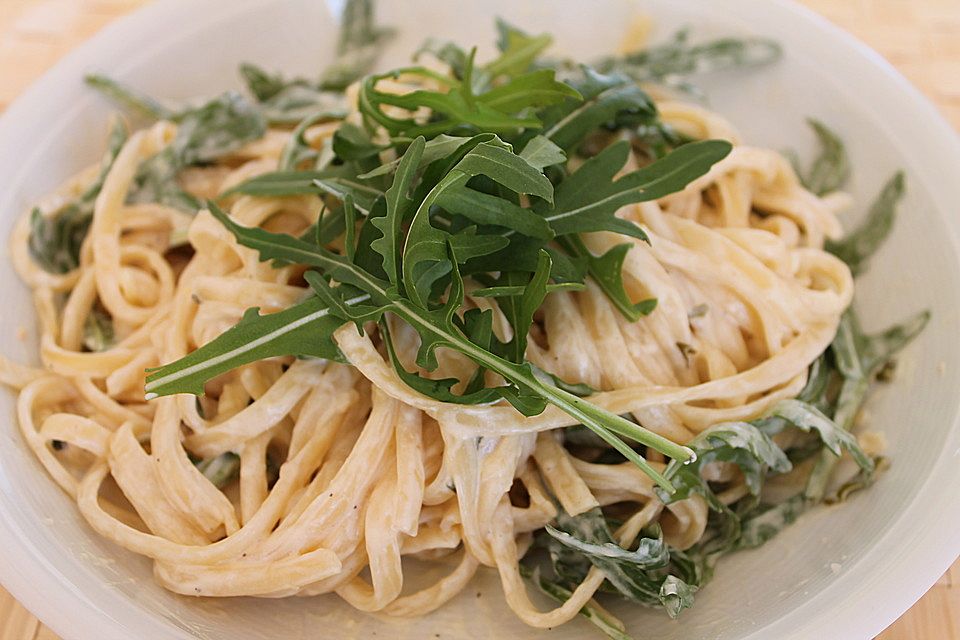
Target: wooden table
{"type": "Point", "coordinates": [920, 37]}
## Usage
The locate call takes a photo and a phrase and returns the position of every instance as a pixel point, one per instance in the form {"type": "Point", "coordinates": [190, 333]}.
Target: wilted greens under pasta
{"type": "Point", "coordinates": [531, 314]}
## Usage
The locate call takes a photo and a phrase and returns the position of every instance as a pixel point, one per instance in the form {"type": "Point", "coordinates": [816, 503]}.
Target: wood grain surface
{"type": "Point", "coordinates": [920, 37]}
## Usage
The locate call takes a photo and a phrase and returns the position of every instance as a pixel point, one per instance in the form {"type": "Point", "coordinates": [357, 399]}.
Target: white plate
{"type": "Point", "coordinates": [890, 543]}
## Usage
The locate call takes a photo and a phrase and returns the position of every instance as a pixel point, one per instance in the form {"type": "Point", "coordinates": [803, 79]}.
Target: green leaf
{"type": "Point", "coordinates": [861, 243]}
{"type": "Point", "coordinates": [636, 575]}
{"type": "Point", "coordinates": [861, 356]}
{"type": "Point", "coordinates": [398, 204]}
{"type": "Point", "coordinates": [141, 104]}
{"type": "Point", "coordinates": [518, 50]}
{"type": "Point", "coordinates": [758, 529]}
{"type": "Point", "coordinates": [221, 470]}
{"type": "Point", "coordinates": [740, 443]}
{"type": "Point", "coordinates": [806, 417]}
{"type": "Point", "coordinates": [425, 251]}
{"type": "Point", "coordinates": [286, 182]}
{"type": "Point", "coordinates": [350, 142]}
{"type": "Point", "coordinates": [651, 554]}
{"type": "Point", "coordinates": [98, 331]}
{"type": "Point", "coordinates": [600, 618]}
{"type": "Point", "coordinates": [485, 209]}
{"type": "Point", "coordinates": [831, 169]}
{"type": "Point", "coordinates": [304, 329]}
{"type": "Point", "coordinates": [450, 109]}
{"type": "Point", "coordinates": [678, 58]}
{"type": "Point", "coordinates": [519, 310]}
{"type": "Point", "coordinates": [439, 389]}
{"type": "Point", "coordinates": [541, 153]}
{"type": "Point", "coordinates": [607, 271]}
{"type": "Point", "coordinates": [449, 53]}
{"type": "Point", "coordinates": [463, 104]}
{"type": "Point", "coordinates": [219, 127]}
{"type": "Point", "coordinates": [298, 150]}
{"type": "Point", "coordinates": [503, 291]}
{"type": "Point", "coordinates": [534, 89]}
{"type": "Point", "coordinates": [576, 388]}
{"type": "Point", "coordinates": [589, 198]}
{"type": "Point", "coordinates": [299, 100]}
{"type": "Point", "coordinates": [364, 195]}
{"type": "Point", "coordinates": [676, 595]}
{"type": "Point", "coordinates": [506, 168]}
{"type": "Point", "coordinates": [440, 147]}
{"type": "Point", "coordinates": [468, 244]}
{"type": "Point", "coordinates": [359, 45]}
{"type": "Point", "coordinates": [56, 239]}
{"type": "Point", "coordinates": [858, 357]}
{"type": "Point", "coordinates": [607, 101]}
{"type": "Point", "coordinates": [280, 246]}
{"type": "Point", "coordinates": [156, 181]}
{"type": "Point", "coordinates": [262, 84]}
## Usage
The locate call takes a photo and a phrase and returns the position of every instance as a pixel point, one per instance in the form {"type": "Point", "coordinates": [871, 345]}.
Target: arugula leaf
{"type": "Point", "coordinates": [650, 554]}
{"type": "Point", "coordinates": [831, 169]}
{"type": "Point", "coordinates": [678, 58]}
{"type": "Point", "coordinates": [519, 310]}
{"type": "Point", "coordinates": [490, 210]}
{"type": "Point", "coordinates": [589, 198]}
{"type": "Point", "coordinates": [506, 290]}
{"type": "Point", "coordinates": [425, 248]}
{"type": "Point", "coordinates": [299, 100]}
{"type": "Point", "coordinates": [398, 203]}
{"type": "Point", "coordinates": [607, 624]}
{"type": "Point", "coordinates": [640, 575]}
{"type": "Point", "coordinates": [98, 330]}
{"type": "Point", "coordinates": [219, 127]}
{"type": "Point", "coordinates": [221, 470]}
{"type": "Point", "coordinates": [358, 45]}
{"type": "Point", "coordinates": [304, 329]}
{"type": "Point", "coordinates": [607, 101]}
{"type": "Point", "coordinates": [286, 182]}
{"type": "Point", "coordinates": [438, 148]}
{"type": "Point", "coordinates": [858, 357]}
{"type": "Point", "coordinates": [55, 239]}
{"type": "Point", "coordinates": [741, 443]}
{"type": "Point", "coordinates": [130, 98]}
{"type": "Point", "coordinates": [676, 595]}
{"type": "Point", "coordinates": [350, 142]}
{"type": "Point", "coordinates": [261, 83]}
{"type": "Point", "coordinates": [499, 110]}
{"type": "Point", "coordinates": [861, 243]}
{"type": "Point", "coordinates": [289, 101]}
{"type": "Point", "coordinates": [449, 53]}
{"type": "Point", "coordinates": [807, 417]}
{"type": "Point", "coordinates": [364, 196]}
{"type": "Point", "coordinates": [607, 271]}
{"type": "Point", "coordinates": [518, 49]}
{"type": "Point", "coordinates": [298, 150]}
{"type": "Point", "coordinates": [541, 152]}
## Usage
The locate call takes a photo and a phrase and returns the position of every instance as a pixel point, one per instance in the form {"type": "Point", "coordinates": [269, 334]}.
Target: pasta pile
{"type": "Point", "coordinates": [344, 470]}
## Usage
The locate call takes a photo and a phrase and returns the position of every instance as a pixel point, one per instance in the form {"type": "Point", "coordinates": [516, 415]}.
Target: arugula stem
{"type": "Point", "coordinates": [599, 420]}
{"type": "Point", "coordinates": [852, 395]}
{"type": "Point", "coordinates": [604, 423]}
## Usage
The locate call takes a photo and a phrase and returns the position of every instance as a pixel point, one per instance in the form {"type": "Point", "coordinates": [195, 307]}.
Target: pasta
{"type": "Point", "coordinates": [305, 476]}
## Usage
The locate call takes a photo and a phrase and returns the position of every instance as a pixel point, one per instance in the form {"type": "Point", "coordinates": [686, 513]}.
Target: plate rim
{"type": "Point", "coordinates": [39, 586]}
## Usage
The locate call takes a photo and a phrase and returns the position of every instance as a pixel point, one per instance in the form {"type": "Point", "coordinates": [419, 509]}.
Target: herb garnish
{"type": "Point", "coordinates": [473, 201]}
